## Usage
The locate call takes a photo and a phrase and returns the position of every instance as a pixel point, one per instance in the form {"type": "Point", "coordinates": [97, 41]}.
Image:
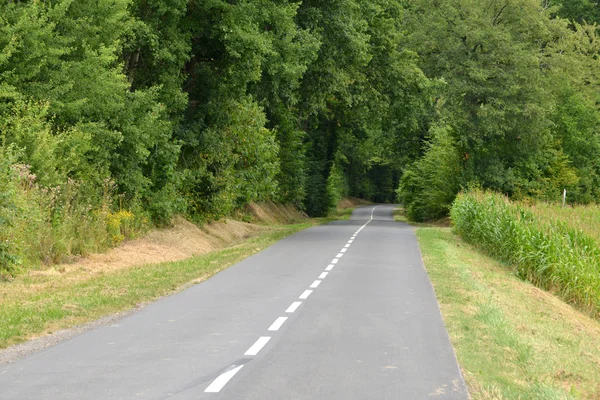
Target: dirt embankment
{"type": "Point", "coordinates": [351, 202]}
{"type": "Point", "coordinates": [183, 240]}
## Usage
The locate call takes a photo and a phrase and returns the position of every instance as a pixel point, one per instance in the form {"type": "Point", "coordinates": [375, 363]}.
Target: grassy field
{"type": "Point", "coordinates": [33, 305]}
{"type": "Point", "coordinates": [512, 340]}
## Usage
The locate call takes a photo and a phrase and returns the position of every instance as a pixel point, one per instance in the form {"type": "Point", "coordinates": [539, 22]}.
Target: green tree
{"type": "Point", "coordinates": [498, 96]}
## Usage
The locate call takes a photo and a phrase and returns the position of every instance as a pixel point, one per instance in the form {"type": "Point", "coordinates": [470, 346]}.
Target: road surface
{"type": "Point", "coordinates": [339, 311]}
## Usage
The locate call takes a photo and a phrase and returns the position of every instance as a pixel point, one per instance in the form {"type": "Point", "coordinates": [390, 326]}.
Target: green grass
{"type": "Point", "coordinates": [512, 340]}
{"type": "Point", "coordinates": [342, 215]}
{"type": "Point", "coordinates": [35, 305]}
{"type": "Point", "coordinates": [544, 244]}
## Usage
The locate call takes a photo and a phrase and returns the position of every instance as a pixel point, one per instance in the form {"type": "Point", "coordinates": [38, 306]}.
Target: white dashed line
{"type": "Point", "coordinates": [293, 307]}
{"type": "Point", "coordinates": [372, 211]}
{"type": "Point", "coordinates": [256, 347]}
{"type": "Point", "coordinates": [217, 384]}
{"type": "Point", "coordinates": [277, 324]}
{"type": "Point", "coordinates": [225, 377]}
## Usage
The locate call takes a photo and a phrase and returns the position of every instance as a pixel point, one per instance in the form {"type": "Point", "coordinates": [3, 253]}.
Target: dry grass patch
{"type": "Point", "coordinates": [512, 340]}
{"type": "Point", "coordinates": [182, 241]}
{"type": "Point", "coordinates": [268, 212]}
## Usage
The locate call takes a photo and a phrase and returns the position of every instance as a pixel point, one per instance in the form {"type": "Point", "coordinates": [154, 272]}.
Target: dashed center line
{"type": "Point", "coordinates": [257, 346]}
{"type": "Point", "coordinates": [277, 324]}
{"type": "Point", "coordinates": [217, 384]}
{"type": "Point", "coordinates": [293, 307]}
{"type": "Point", "coordinates": [225, 377]}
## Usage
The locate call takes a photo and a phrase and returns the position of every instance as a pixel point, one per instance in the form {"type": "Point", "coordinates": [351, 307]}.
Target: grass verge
{"type": "Point", "coordinates": [512, 340]}
{"type": "Point", "coordinates": [32, 305]}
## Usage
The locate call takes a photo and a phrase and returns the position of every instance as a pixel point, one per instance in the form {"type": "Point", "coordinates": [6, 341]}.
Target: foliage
{"type": "Point", "coordinates": [9, 203]}
{"type": "Point", "coordinates": [578, 10]}
{"type": "Point", "coordinates": [201, 107]}
{"type": "Point", "coordinates": [429, 186]}
{"type": "Point", "coordinates": [517, 94]}
{"type": "Point", "coordinates": [237, 164]}
{"type": "Point", "coordinates": [552, 253]}
{"type": "Point", "coordinates": [337, 187]}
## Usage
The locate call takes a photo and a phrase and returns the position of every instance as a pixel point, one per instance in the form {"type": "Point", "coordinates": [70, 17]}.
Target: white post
{"type": "Point", "coordinates": [564, 197]}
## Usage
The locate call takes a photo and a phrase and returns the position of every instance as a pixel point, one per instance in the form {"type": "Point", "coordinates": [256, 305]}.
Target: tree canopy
{"type": "Point", "coordinates": [200, 107]}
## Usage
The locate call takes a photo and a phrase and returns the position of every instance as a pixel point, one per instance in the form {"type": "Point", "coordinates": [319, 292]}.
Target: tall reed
{"type": "Point", "coordinates": [556, 249]}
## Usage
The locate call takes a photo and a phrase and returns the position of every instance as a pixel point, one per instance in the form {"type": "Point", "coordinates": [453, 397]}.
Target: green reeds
{"type": "Point", "coordinates": [556, 249]}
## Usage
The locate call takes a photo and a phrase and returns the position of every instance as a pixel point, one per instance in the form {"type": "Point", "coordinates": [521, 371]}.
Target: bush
{"type": "Point", "coordinates": [42, 225]}
{"type": "Point", "coordinates": [428, 187]}
{"type": "Point", "coordinates": [230, 166]}
{"type": "Point", "coordinates": [9, 202]}
{"type": "Point", "coordinates": [552, 253]}
{"type": "Point", "coordinates": [337, 187]}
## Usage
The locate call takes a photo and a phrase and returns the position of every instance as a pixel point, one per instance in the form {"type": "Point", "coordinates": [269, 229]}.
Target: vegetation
{"type": "Point", "coordinates": [546, 245]}
{"type": "Point", "coordinates": [516, 109]}
{"type": "Point", "coordinates": [512, 340]}
{"type": "Point", "coordinates": [117, 115]}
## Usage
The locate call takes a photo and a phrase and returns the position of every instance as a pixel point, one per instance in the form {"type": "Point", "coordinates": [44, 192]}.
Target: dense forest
{"type": "Point", "coordinates": [119, 113]}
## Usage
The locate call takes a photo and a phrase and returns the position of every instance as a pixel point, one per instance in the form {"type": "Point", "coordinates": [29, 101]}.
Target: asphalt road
{"type": "Point", "coordinates": [327, 313]}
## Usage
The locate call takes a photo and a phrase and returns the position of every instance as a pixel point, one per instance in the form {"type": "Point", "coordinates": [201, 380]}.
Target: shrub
{"type": "Point", "coordinates": [8, 211]}
{"type": "Point", "coordinates": [46, 225]}
{"type": "Point", "coordinates": [337, 187]}
{"type": "Point", "coordinates": [428, 187]}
